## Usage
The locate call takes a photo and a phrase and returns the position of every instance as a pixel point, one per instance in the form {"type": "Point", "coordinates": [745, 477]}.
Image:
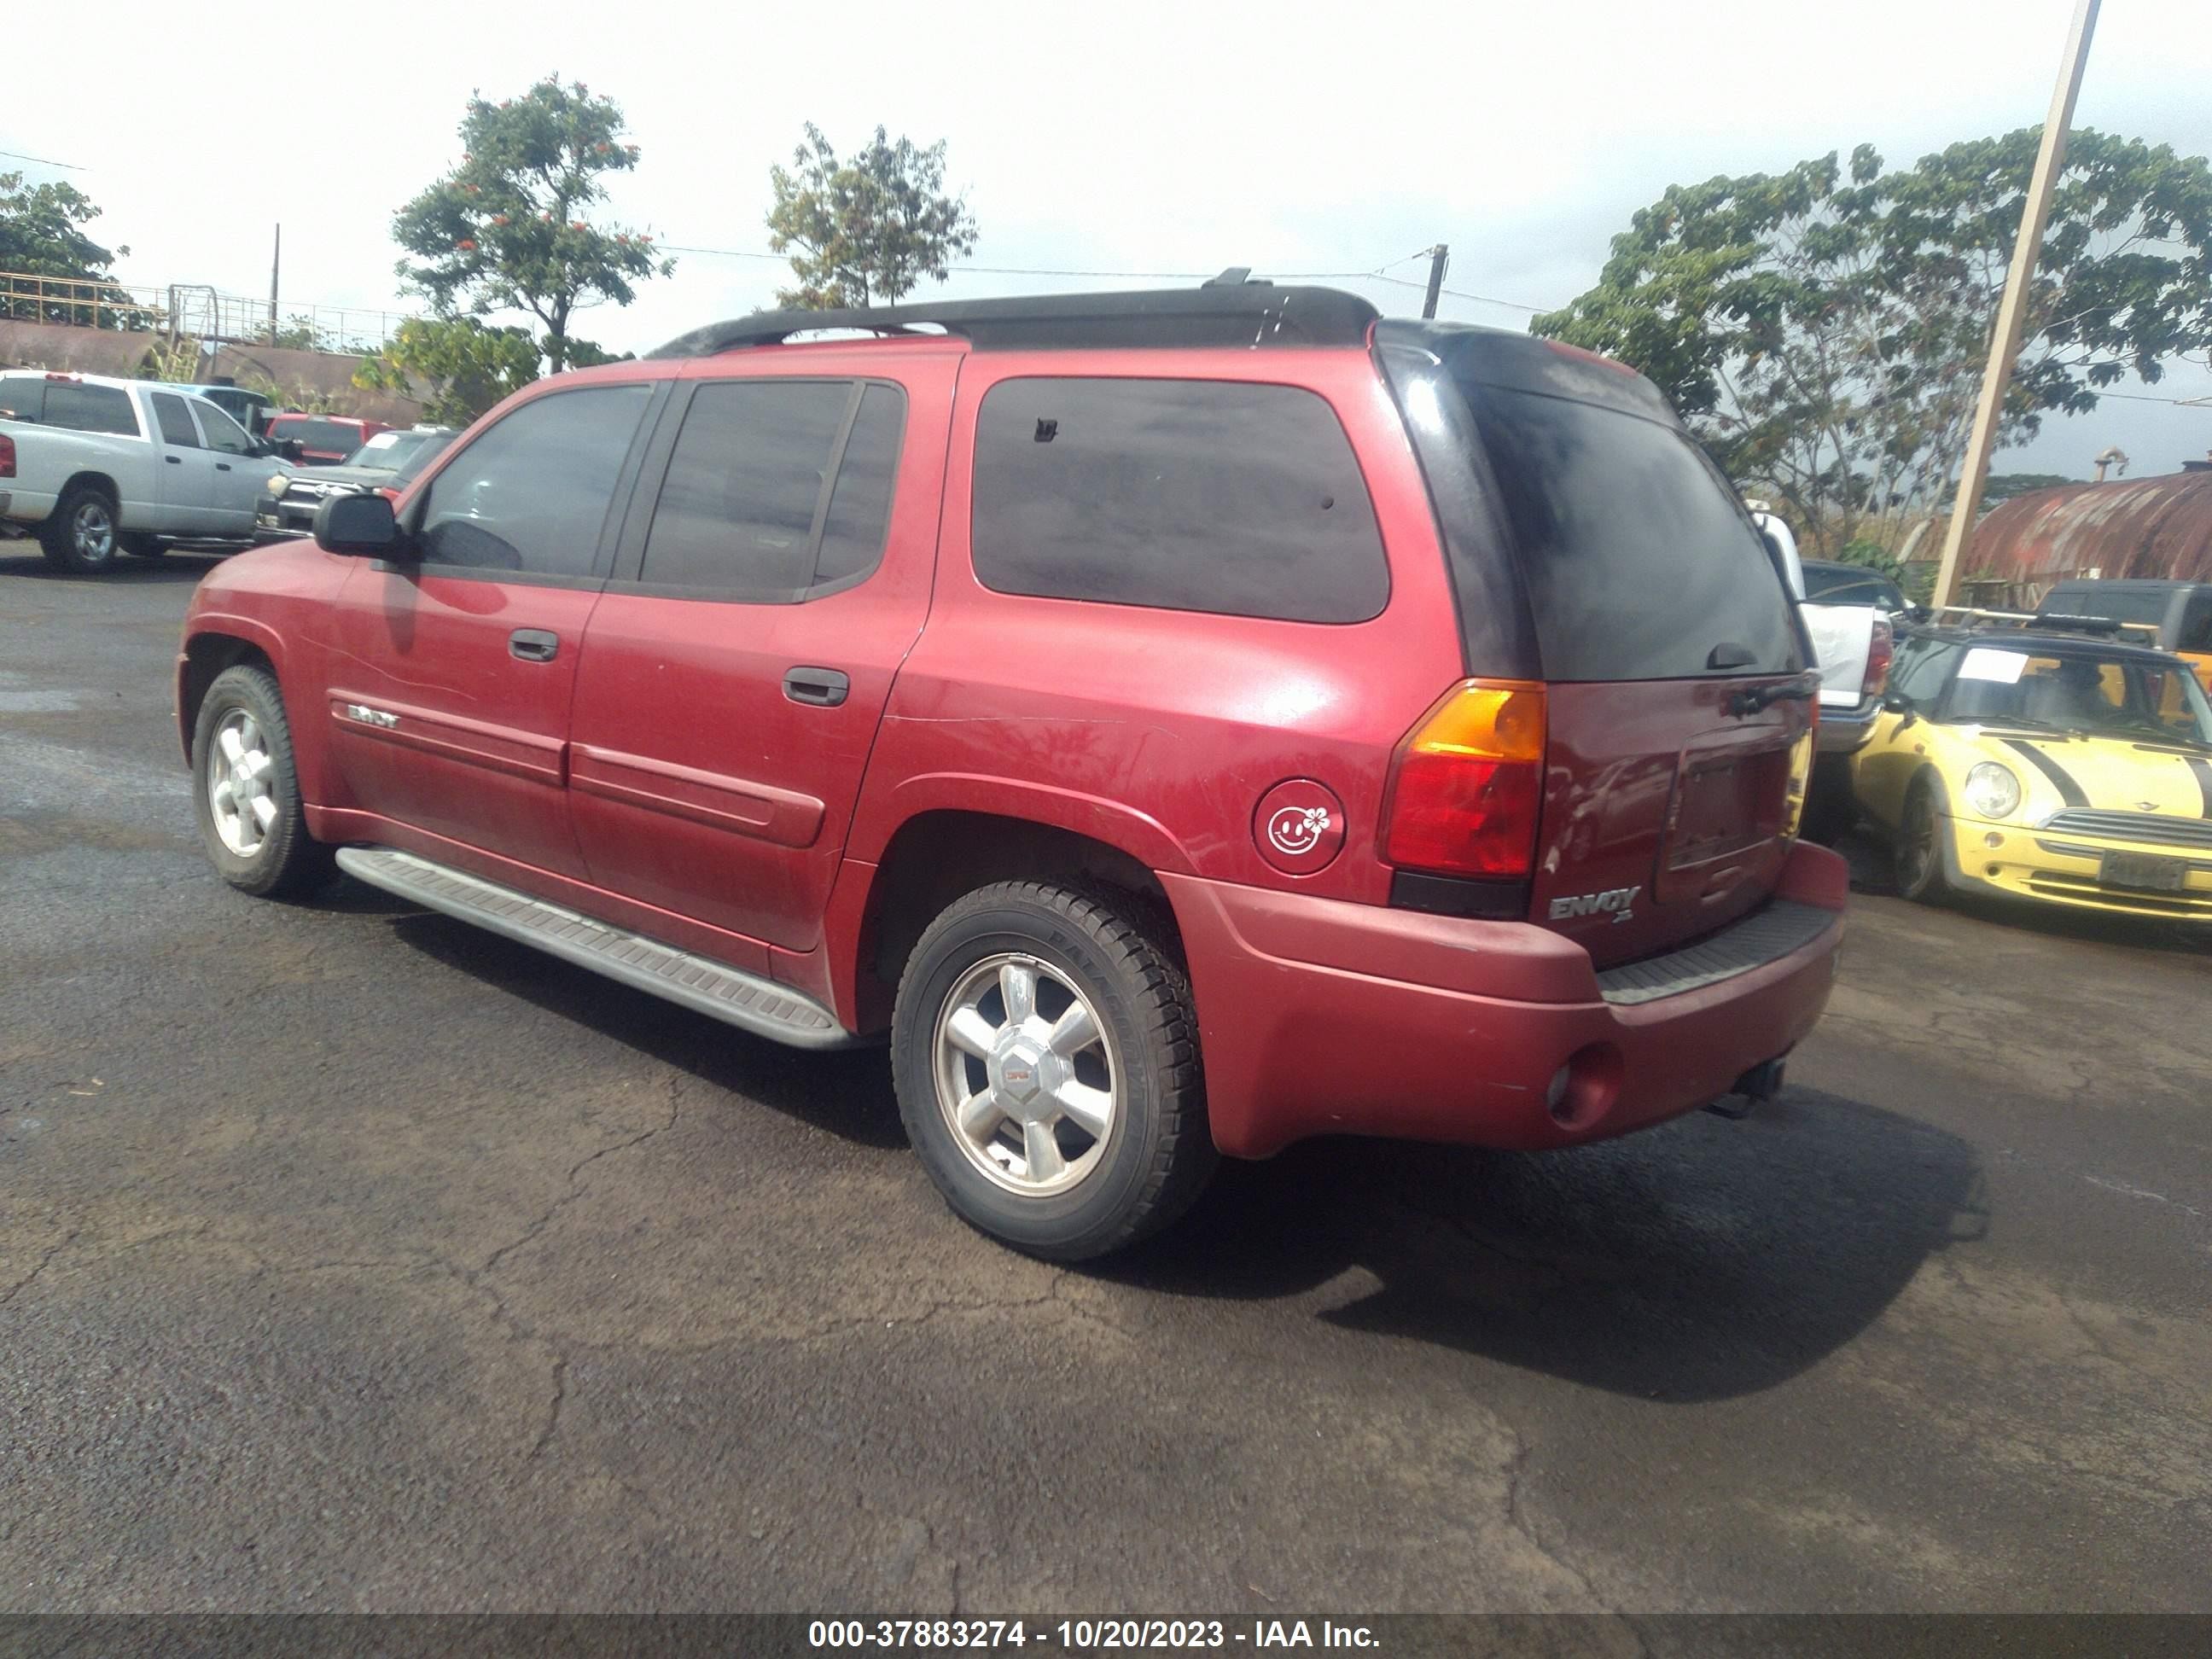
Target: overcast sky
{"type": "Point", "coordinates": [1098, 138]}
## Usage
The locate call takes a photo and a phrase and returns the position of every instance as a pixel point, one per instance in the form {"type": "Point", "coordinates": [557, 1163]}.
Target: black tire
{"type": "Point", "coordinates": [80, 535]}
{"type": "Point", "coordinates": [1918, 850]}
{"type": "Point", "coordinates": [1157, 1154]}
{"type": "Point", "coordinates": [1830, 808]}
{"type": "Point", "coordinates": [140, 545]}
{"type": "Point", "coordinates": [287, 862]}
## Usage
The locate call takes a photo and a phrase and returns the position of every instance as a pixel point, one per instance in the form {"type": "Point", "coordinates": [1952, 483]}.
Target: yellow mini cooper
{"type": "Point", "coordinates": [2063, 767]}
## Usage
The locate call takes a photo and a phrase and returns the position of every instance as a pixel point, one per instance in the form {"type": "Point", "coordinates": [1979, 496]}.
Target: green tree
{"type": "Point", "coordinates": [867, 228]}
{"type": "Point", "coordinates": [514, 227]}
{"type": "Point", "coordinates": [42, 234]}
{"type": "Point", "coordinates": [1823, 330]}
{"type": "Point", "coordinates": [455, 367]}
{"type": "Point", "coordinates": [2004, 486]}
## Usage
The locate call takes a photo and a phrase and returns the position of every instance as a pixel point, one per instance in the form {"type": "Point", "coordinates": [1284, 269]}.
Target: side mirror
{"type": "Point", "coordinates": [360, 525]}
{"type": "Point", "coordinates": [1896, 704]}
{"type": "Point", "coordinates": [290, 448]}
{"type": "Point", "coordinates": [1919, 613]}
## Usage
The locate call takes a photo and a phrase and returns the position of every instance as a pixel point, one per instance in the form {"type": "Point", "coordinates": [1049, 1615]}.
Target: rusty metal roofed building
{"type": "Point", "coordinates": [2128, 528]}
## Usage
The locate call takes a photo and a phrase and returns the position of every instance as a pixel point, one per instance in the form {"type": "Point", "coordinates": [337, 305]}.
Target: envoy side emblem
{"type": "Point", "coordinates": [367, 717]}
{"type": "Point", "coordinates": [1613, 902]}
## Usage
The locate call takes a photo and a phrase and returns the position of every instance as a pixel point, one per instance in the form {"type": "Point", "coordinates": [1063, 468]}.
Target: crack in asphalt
{"type": "Point", "coordinates": [44, 1262]}
{"type": "Point", "coordinates": [575, 1188]}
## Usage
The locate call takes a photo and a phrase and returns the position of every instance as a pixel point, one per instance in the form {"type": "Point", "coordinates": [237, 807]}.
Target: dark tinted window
{"type": "Point", "coordinates": [323, 437]}
{"type": "Point", "coordinates": [1830, 584]}
{"type": "Point", "coordinates": [736, 509]}
{"type": "Point", "coordinates": [22, 396]}
{"type": "Point", "coordinates": [531, 493]}
{"type": "Point", "coordinates": [2196, 623]}
{"type": "Point", "coordinates": [860, 505]}
{"type": "Point", "coordinates": [2119, 604]}
{"type": "Point", "coordinates": [1183, 494]}
{"type": "Point", "coordinates": [177, 428]}
{"type": "Point", "coordinates": [1638, 561]}
{"type": "Point", "coordinates": [223, 434]}
{"type": "Point", "coordinates": [90, 408]}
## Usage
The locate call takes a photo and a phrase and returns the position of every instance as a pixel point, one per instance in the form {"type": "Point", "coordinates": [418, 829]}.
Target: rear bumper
{"type": "Point", "coordinates": [1318, 1016]}
{"type": "Point", "coordinates": [1845, 728]}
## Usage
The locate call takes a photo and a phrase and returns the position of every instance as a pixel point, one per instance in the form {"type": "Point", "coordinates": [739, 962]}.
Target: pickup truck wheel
{"type": "Point", "coordinates": [80, 534]}
{"type": "Point", "coordinates": [1046, 1058]}
{"type": "Point", "coordinates": [1918, 853]}
{"type": "Point", "coordinates": [246, 793]}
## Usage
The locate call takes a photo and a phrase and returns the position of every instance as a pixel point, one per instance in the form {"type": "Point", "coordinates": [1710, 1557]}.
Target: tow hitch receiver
{"type": "Point", "coordinates": [1761, 1082]}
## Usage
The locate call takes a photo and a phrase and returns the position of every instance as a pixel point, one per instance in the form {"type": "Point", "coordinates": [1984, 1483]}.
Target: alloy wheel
{"type": "Point", "coordinates": [239, 776]}
{"type": "Point", "coordinates": [1026, 1074]}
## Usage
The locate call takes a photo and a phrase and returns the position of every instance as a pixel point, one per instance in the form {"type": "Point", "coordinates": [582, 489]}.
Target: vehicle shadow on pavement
{"type": "Point", "coordinates": [1700, 1261]}
{"type": "Point", "coordinates": [846, 1093]}
{"type": "Point", "coordinates": [22, 559]}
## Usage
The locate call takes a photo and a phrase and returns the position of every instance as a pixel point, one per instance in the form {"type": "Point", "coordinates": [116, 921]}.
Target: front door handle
{"type": "Point", "coordinates": [174, 460]}
{"type": "Point", "coordinates": [222, 466]}
{"type": "Point", "coordinates": [822, 688]}
{"type": "Point", "coordinates": [534, 645]}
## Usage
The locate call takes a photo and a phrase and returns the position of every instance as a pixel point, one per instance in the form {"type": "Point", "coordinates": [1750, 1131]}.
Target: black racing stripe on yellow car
{"type": "Point", "coordinates": [2070, 792]}
{"type": "Point", "coordinates": [2202, 770]}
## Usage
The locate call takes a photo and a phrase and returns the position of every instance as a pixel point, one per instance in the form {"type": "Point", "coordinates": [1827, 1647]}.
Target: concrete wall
{"type": "Point", "coordinates": [109, 351]}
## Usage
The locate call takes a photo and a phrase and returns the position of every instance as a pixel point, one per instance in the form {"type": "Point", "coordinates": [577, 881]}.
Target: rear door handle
{"type": "Point", "coordinates": [174, 460]}
{"type": "Point", "coordinates": [823, 688]}
{"type": "Point", "coordinates": [222, 466]}
{"type": "Point", "coordinates": [534, 645]}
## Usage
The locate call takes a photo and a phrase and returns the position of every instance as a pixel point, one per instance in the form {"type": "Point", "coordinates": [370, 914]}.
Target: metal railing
{"type": "Point", "coordinates": [195, 310]}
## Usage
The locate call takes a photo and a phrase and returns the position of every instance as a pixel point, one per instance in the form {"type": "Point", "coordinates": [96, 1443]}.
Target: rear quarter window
{"type": "Point", "coordinates": [1238, 499]}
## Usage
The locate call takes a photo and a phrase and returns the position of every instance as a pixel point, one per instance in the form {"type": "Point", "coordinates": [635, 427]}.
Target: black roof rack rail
{"type": "Point", "coordinates": [1217, 313]}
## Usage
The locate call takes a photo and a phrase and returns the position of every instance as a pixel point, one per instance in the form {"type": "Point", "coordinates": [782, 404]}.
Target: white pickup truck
{"type": "Point", "coordinates": [1850, 614]}
{"type": "Point", "coordinates": [94, 467]}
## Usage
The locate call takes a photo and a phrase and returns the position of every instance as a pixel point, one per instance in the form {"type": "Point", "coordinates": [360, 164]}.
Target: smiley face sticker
{"type": "Point", "coordinates": [1299, 826]}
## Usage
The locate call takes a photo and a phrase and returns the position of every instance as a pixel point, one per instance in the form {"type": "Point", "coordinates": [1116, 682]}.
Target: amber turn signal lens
{"type": "Point", "coordinates": [1467, 787]}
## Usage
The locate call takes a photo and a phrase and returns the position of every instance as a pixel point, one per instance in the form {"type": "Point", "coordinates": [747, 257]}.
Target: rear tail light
{"type": "Point", "coordinates": [1880, 649]}
{"type": "Point", "coordinates": [7, 457]}
{"type": "Point", "coordinates": [1467, 782]}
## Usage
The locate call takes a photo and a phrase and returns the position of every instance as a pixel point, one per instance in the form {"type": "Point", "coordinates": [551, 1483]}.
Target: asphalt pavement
{"type": "Point", "coordinates": [353, 1258]}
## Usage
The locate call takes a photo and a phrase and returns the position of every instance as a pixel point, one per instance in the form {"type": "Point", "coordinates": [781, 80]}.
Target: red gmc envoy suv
{"type": "Point", "coordinates": [1183, 722]}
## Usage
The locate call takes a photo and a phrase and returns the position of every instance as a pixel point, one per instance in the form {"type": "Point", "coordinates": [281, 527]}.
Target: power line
{"type": "Point", "coordinates": [1374, 275]}
{"type": "Point", "coordinates": [14, 155]}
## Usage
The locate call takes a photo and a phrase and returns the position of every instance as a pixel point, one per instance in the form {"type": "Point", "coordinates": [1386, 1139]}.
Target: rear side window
{"type": "Point", "coordinates": [90, 409]}
{"type": "Point", "coordinates": [2196, 623]}
{"type": "Point", "coordinates": [1242, 500]}
{"type": "Point", "coordinates": [776, 489]}
{"type": "Point", "coordinates": [531, 494]}
{"type": "Point", "coordinates": [22, 396]}
{"type": "Point", "coordinates": [177, 428]}
{"type": "Point", "coordinates": [1638, 562]}
{"type": "Point", "coordinates": [2115, 604]}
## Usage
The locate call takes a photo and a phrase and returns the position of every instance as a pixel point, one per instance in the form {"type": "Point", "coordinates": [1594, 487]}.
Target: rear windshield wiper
{"type": "Point", "coordinates": [1803, 689]}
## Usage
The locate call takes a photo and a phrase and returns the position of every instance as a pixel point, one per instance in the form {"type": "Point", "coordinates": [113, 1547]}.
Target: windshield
{"type": "Point", "coordinates": [2079, 693]}
{"type": "Point", "coordinates": [431, 446]}
{"type": "Point", "coordinates": [387, 451]}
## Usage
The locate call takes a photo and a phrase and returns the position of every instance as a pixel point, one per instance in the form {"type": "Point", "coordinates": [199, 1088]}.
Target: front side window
{"type": "Point", "coordinates": [1237, 499]}
{"type": "Point", "coordinates": [177, 430]}
{"type": "Point", "coordinates": [90, 408]}
{"type": "Point", "coordinates": [224, 435]}
{"type": "Point", "coordinates": [749, 509]}
{"type": "Point", "coordinates": [531, 494]}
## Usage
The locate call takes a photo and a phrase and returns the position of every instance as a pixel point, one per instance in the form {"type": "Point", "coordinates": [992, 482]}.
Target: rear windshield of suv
{"type": "Point", "coordinates": [323, 437]}
{"type": "Point", "coordinates": [1634, 559]}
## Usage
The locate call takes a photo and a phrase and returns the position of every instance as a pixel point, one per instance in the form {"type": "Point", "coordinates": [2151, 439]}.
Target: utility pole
{"type": "Point", "coordinates": [1439, 256]}
{"type": "Point", "coordinates": [276, 265]}
{"type": "Point", "coordinates": [2012, 311]}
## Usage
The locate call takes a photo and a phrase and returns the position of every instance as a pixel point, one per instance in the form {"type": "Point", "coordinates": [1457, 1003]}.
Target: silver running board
{"type": "Point", "coordinates": [712, 988]}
